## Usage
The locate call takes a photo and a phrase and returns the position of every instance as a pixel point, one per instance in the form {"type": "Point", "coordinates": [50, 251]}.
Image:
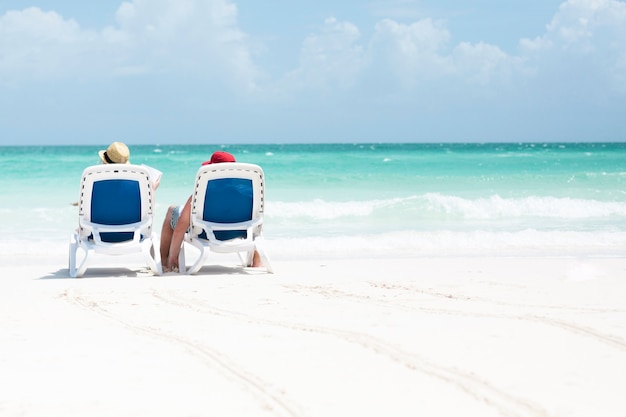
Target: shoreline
{"type": "Point", "coordinates": [54, 251]}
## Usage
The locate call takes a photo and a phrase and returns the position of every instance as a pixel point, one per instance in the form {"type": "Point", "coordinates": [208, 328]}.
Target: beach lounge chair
{"type": "Point", "coordinates": [115, 215]}
{"type": "Point", "coordinates": [227, 214]}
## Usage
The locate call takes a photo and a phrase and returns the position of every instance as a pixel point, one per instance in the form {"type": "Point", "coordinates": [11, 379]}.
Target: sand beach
{"type": "Point", "coordinates": [433, 336]}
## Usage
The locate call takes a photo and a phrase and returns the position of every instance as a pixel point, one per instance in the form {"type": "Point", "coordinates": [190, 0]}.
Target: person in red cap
{"type": "Point", "coordinates": [219, 156]}
{"type": "Point", "coordinates": [177, 222]}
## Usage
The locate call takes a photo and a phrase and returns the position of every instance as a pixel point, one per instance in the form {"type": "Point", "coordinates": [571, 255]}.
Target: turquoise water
{"type": "Point", "coordinates": [342, 199]}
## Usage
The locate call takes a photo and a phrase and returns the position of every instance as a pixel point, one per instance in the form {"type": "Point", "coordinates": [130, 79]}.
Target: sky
{"type": "Point", "coordinates": [272, 71]}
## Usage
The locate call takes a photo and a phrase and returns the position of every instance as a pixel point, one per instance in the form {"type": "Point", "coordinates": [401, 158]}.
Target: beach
{"type": "Point", "coordinates": [470, 280]}
{"type": "Point", "coordinates": [440, 187]}
{"type": "Point", "coordinates": [434, 336]}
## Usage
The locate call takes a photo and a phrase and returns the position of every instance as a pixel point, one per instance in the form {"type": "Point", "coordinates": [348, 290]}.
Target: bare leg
{"type": "Point", "coordinates": [166, 239]}
{"type": "Point", "coordinates": [256, 260]}
{"type": "Point", "coordinates": [178, 235]}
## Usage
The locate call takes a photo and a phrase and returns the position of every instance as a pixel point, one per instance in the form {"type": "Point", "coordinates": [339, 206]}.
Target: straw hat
{"type": "Point", "coordinates": [116, 153]}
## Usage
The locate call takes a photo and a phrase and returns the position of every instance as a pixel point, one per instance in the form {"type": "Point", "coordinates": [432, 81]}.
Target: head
{"type": "Point", "coordinates": [116, 153]}
{"type": "Point", "coordinates": [218, 157]}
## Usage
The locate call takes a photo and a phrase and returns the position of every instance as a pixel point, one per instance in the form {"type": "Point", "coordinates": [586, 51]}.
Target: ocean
{"type": "Point", "coordinates": [365, 200]}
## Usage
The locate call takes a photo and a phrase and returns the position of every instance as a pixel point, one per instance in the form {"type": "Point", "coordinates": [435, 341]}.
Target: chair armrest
{"type": "Point", "coordinates": [96, 228]}
{"type": "Point", "coordinates": [203, 224]}
{"type": "Point", "coordinates": [130, 227]}
{"type": "Point", "coordinates": [210, 228]}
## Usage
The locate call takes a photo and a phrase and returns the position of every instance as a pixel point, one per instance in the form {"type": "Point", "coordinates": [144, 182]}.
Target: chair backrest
{"type": "Point", "coordinates": [229, 192]}
{"type": "Point", "coordinates": [115, 194]}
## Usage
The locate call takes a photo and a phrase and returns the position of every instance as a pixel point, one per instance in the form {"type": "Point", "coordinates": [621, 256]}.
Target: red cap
{"type": "Point", "coordinates": [220, 156]}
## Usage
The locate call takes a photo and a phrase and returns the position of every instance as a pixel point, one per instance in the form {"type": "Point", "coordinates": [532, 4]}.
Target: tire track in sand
{"type": "Point", "coordinates": [469, 383]}
{"type": "Point", "coordinates": [580, 330]}
{"type": "Point", "coordinates": [275, 402]}
{"type": "Point", "coordinates": [463, 297]}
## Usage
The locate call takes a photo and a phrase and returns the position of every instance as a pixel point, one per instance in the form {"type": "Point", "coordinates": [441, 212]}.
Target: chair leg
{"type": "Point", "coordinates": [156, 255]}
{"type": "Point", "coordinates": [248, 259]}
{"type": "Point", "coordinates": [182, 260]}
{"type": "Point", "coordinates": [151, 256]}
{"type": "Point", "coordinates": [72, 257]}
{"type": "Point", "coordinates": [204, 254]}
{"type": "Point", "coordinates": [80, 270]}
{"type": "Point", "coordinates": [77, 271]}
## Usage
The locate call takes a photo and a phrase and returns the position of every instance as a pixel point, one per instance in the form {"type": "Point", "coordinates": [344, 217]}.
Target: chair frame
{"type": "Point", "coordinates": [87, 235]}
{"type": "Point", "coordinates": [254, 238]}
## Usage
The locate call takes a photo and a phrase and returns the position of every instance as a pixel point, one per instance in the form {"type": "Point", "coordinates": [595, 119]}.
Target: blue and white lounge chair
{"type": "Point", "coordinates": [115, 215]}
{"type": "Point", "coordinates": [227, 214]}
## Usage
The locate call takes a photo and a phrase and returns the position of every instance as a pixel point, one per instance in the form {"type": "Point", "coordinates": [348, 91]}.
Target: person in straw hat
{"type": "Point", "coordinates": [118, 153]}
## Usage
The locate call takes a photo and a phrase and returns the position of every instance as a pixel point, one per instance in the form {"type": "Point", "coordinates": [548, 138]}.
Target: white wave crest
{"type": "Point", "coordinates": [436, 205]}
{"type": "Point", "coordinates": [327, 210]}
{"type": "Point", "coordinates": [497, 207]}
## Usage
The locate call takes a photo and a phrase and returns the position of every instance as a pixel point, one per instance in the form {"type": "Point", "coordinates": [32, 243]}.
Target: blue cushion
{"type": "Point", "coordinates": [116, 202]}
{"type": "Point", "coordinates": [228, 200]}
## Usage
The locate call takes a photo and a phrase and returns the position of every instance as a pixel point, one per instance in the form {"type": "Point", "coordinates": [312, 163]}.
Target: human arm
{"type": "Point", "coordinates": [155, 176]}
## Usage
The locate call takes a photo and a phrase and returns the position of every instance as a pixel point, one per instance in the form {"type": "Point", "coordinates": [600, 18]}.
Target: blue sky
{"type": "Point", "coordinates": [249, 71]}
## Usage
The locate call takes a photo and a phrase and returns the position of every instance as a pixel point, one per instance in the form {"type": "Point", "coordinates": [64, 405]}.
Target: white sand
{"type": "Point", "coordinates": [479, 336]}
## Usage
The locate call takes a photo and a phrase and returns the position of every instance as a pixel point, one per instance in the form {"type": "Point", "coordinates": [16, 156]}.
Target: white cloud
{"type": "Point", "coordinates": [328, 59]}
{"type": "Point", "coordinates": [192, 37]}
{"type": "Point", "coordinates": [401, 56]}
{"type": "Point", "coordinates": [586, 37]}
{"type": "Point", "coordinates": [484, 64]}
{"type": "Point", "coordinates": [419, 53]}
{"type": "Point", "coordinates": [40, 44]}
{"type": "Point", "coordinates": [202, 39]}
{"type": "Point", "coordinates": [186, 36]}
{"type": "Point", "coordinates": [582, 22]}
{"type": "Point", "coordinates": [410, 51]}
